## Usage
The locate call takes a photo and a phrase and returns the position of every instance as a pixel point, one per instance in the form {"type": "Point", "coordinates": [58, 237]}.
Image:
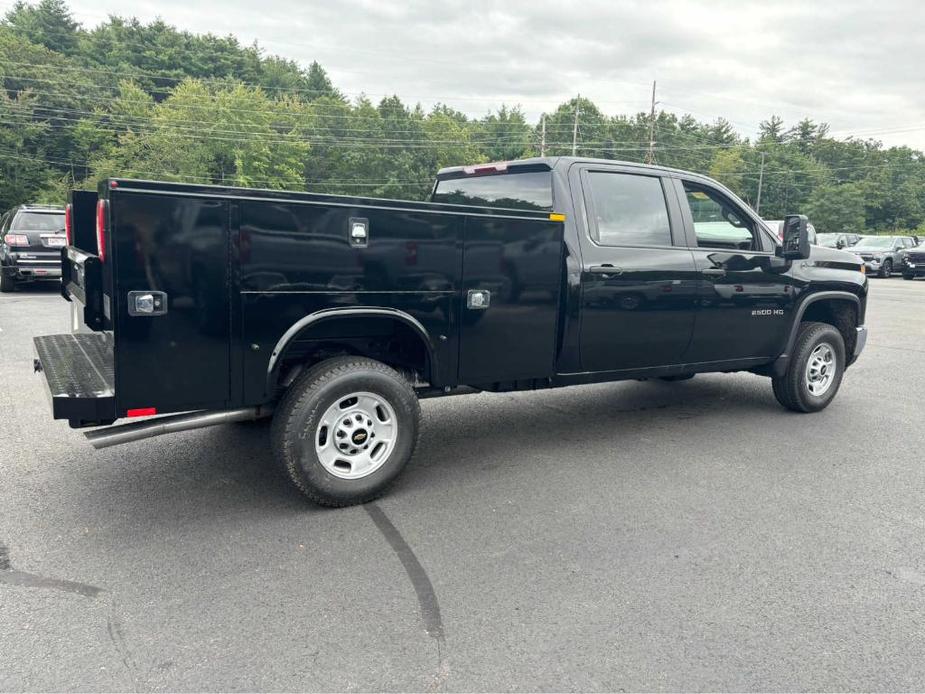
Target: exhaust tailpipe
{"type": "Point", "coordinates": [136, 431]}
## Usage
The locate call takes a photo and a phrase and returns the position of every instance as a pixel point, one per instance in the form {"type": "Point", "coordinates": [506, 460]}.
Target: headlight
{"type": "Point", "coordinates": [878, 256]}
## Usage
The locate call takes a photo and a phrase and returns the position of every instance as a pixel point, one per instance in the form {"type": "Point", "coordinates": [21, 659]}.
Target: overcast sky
{"type": "Point", "coordinates": [859, 66]}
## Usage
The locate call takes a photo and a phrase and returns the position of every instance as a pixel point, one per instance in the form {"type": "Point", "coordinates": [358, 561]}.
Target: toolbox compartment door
{"type": "Point", "coordinates": [515, 264]}
{"type": "Point", "coordinates": [176, 249]}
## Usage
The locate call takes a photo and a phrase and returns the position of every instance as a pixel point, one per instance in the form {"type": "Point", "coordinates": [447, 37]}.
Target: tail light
{"type": "Point", "coordinates": [16, 240]}
{"type": "Point", "coordinates": [101, 206]}
{"type": "Point", "coordinates": [69, 224]}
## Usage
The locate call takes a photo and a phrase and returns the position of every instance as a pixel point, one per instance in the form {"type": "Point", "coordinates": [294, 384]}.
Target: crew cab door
{"type": "Point", "coordinates": [746, 299]}
{"type": "Point", "coordinates": [638, 281]}
{"type": "Point", "coordinates": [176, 248]}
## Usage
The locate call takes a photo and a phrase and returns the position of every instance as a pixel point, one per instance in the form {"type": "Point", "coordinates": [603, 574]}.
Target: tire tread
{"type": "Point", "coordinates": [788, 389]}
{"type": "Point", "coordinates": [295, 398]}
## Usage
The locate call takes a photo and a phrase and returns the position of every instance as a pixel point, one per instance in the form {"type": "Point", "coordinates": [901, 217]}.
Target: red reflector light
{"type": "Point", "coordinates": [141, 412]}
{"type": "Point", "coordinates": [69, 224]}
{"type": "Point", "coordinates": [101, 230]}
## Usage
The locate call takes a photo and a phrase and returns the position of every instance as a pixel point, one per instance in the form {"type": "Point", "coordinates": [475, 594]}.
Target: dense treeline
{"type": "Point", "coordinates": [149, 101]}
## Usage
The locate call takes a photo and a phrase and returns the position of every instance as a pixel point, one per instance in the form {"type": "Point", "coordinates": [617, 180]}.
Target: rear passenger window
{"type": "Point", "coordinates": [628, 210]}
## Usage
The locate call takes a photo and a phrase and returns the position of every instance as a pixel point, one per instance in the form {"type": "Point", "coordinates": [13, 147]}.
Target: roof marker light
{"type": "Point", "coordinates": [484, 169]}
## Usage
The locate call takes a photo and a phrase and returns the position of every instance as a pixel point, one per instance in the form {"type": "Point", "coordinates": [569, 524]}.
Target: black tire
{"type": "Point", "coordinates": [296, 425]}
{"type": "Point", "coordinates": [791, 389]}
{"type": "Point", "coordinates": [677, 377]}
{"type": "Point", "coordinates": [7, 283]}
{"type": "Point", "coordinates": [886, 270]}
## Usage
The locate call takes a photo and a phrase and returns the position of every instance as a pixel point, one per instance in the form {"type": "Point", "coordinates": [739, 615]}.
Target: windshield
{"type": "Point", "coordinates": [875, 242]}
{"type": "Point", "coordinates": [828, 240]}
{"type": "Point", "coordinates": [38, 221]}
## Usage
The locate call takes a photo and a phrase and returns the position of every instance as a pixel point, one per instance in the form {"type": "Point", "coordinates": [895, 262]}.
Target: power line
{"type": "Point", "coordinates": [132, 72]}
{"type": "Point", "coordinates": [650, 155]}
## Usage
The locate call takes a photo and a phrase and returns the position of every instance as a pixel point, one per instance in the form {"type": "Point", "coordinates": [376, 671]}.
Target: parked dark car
{"type": "Point", "coordinates": [882, 254]}
{"type": "Point", "coordinates": [336, 314]}
{"type": "Point", "coordinates": [31, 239]}
{"type": "Point", "coordinates": [837, 240]}
{"type": "Point", "coordinates": [913, 262]}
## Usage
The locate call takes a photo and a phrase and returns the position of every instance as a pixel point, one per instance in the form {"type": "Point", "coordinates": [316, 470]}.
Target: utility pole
{"type": "Point", "coordinates": [575, 127]}
{"type": "Point", "coordinates": [650, 155]}
{"type": "Point", "coordinates": [543, 135]}
{"type": "Point", "coordinates": [760, 181]}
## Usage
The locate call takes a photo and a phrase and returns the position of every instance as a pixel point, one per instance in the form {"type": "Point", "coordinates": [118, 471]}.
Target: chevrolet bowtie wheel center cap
{"type": "Point", "coordinates": [356, 435]}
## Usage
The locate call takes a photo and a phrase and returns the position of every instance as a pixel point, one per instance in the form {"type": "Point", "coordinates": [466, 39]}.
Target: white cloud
{"type": "Point", "coordinates": [854, 64]}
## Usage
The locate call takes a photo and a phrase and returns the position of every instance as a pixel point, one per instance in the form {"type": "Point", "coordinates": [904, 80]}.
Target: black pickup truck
{"type": "Point", "coordinates": [334, 315]}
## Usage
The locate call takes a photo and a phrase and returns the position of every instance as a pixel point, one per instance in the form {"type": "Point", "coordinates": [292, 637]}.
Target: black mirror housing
{"type": "Point", "coordinates": [795, 245]}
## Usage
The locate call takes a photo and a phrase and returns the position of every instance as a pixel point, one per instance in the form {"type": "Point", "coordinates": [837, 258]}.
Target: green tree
{"type": "Point", "coordinates": [837, 208]}
{"type": "Point", "coordinates": [49, 24]}
{"type": "Point", "coordinates": [318, 84]}
{"type": "Point", "coordinates": [771, 130]}
{"type": "Point", "coordinates": [505, 135]}
{"type": "Point", "coordinates": [243, 144]}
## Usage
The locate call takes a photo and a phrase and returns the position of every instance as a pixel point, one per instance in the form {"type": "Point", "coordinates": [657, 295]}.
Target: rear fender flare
{"type": "Point", "coordinates": [353, 312]}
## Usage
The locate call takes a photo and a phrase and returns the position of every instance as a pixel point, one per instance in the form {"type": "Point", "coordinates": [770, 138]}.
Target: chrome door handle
{"type": "Point", "coordinates": [714, 272]}
{"type": "Point", "coordinates": [605, 270]}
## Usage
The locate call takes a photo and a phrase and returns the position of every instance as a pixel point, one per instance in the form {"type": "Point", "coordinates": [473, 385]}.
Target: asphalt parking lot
{"type": "Point", "coordinates": [623, 536]}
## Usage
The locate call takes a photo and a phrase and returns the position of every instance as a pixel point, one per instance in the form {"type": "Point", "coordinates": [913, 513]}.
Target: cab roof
{"type": "Point", "coordinates": [550, 163]}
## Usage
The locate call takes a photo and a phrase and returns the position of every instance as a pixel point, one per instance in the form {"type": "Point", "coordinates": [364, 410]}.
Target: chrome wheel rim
{"type": "Point", "coordinates": [356, 435]}
{"type": "Point", "coordinates": [820, 369]}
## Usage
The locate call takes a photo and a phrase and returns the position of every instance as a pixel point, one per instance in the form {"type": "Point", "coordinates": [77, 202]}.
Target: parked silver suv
{"type": "Point", "coordinates": [881, 254]}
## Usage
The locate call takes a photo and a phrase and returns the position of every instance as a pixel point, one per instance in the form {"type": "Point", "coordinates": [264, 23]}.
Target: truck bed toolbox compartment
{"type": "Point", "coordinates": [78, 370]}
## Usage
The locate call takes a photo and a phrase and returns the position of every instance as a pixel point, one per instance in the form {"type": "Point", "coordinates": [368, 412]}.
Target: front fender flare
{"type": "Point", "coordinates": [780, 365]}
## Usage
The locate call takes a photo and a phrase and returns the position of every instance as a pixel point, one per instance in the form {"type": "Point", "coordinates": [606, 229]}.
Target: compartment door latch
{"type": "Point", "coordinates": [145, 303]}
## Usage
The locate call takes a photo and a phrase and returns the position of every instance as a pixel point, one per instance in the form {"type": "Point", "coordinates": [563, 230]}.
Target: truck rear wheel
{"type": "Point", "coordinates": [345, 430]}
{"type": "Point", "coordinates": [815, 370]}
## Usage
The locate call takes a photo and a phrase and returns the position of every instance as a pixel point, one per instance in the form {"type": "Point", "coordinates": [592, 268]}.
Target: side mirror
{"type": "Point", "coordinates": [840, 243]}
{"type": "Point", "coordinates": [795, 243]}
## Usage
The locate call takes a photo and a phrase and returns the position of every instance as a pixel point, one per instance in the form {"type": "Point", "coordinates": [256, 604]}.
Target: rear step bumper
{"type": "Point", "coordinates": [78, 370]}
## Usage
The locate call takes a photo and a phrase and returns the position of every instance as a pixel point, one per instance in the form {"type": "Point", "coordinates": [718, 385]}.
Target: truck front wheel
{"type": "Point", "coordinates": [815, 371]}
{"type": "Point", "coordinates": [345, 430]}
